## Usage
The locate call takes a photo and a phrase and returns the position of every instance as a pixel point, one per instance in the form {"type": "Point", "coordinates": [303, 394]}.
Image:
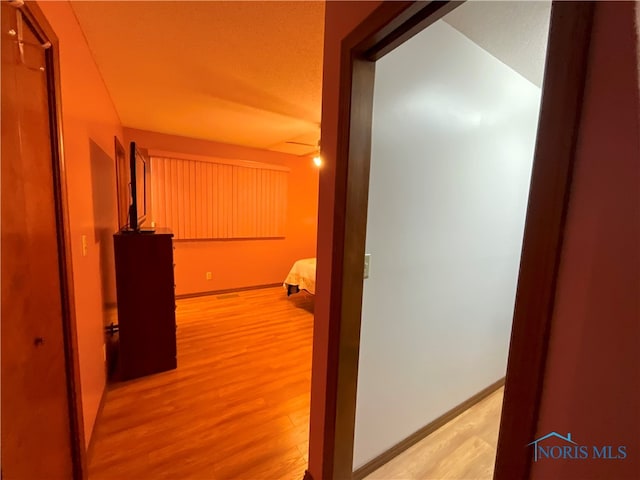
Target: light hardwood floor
{"type": "Point", "coordinates": [463, 449]}
{"type": "Point", "coordinates": [237, 407]}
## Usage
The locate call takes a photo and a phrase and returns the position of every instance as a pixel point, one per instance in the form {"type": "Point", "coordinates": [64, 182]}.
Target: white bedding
{"type": "Point", "coordinates": [302, 275]}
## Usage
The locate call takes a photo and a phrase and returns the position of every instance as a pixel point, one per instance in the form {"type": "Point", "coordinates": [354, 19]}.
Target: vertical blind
{"type": "Point", "coordinates": [208, 200]}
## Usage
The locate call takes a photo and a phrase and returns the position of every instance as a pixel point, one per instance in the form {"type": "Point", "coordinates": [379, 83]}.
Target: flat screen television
{"type": "Point", "coordinates": [138, 188]}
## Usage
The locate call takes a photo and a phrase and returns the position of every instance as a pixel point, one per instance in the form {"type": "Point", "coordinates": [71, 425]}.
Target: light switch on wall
{"type": "Point", "coordinates": [367, 261]}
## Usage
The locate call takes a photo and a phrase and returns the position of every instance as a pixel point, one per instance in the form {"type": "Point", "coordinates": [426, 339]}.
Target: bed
{"type": "Point", "coordinates": [302, 276]}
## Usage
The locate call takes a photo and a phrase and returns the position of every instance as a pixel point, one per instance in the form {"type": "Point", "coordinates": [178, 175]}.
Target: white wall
{"type": "Point", "coordinates": [453, 138]}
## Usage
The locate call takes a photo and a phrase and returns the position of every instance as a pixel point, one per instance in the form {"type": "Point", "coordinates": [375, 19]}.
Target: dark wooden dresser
{"type": "Point", "coordinates": [146, 303]}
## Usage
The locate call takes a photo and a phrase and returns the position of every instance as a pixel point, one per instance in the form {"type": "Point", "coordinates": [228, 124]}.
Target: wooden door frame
{"type": "Point", "coordinates": [387, 27]}
{"type": "Point", "coordinates": [33, 15]}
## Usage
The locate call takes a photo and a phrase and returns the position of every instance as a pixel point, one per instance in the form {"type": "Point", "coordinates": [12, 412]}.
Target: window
{"type": "Point", "coordinates": [218, 199]}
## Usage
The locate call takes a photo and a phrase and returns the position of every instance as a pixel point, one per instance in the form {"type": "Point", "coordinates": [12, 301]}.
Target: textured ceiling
{"type": "Point", "coordinates": [246, 73]}
{"type": "Point", "coordinates": [513, 32]}
{"type": "Point", "coordinates": [250, 73]}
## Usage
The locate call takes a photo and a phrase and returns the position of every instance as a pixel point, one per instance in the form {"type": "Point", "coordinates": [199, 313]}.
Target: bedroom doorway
{"type": "Point", "coordinates": [385, 29]}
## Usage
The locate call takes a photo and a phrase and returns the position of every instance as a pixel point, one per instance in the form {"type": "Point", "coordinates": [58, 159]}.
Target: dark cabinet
{"type": "Point", "coordinates": [146, 303]}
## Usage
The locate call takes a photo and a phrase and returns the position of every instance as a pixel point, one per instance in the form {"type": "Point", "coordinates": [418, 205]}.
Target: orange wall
{"type": "Point", "coordinates": [90, 123]}
{"type": "Point", "coordinates": [592, 383]}
{"type": "Point", "coordinates": [340, 19]}
{"type": "Point", "coordinates": [243, 263]}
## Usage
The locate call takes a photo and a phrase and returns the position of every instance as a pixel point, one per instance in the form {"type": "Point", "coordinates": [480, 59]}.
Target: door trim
{"type": "Point", "coordinates": [387, 27]}
{"type": "Point", "coordinates": [549, 196]}
{"type": "Point", "coordinates": [34, 16]}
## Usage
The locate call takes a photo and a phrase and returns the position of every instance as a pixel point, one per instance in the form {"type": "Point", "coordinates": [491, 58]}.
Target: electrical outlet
{"type": "Point", "coordinates": [367, 261]}
{"type": "Point", "coordinates": [208, 275]}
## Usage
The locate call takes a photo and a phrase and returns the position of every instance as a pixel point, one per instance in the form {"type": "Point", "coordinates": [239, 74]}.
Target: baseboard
{"type": "Point", "coordinates": [103, 399]}
{"type": "Point", "coordinates": [229, 290]}
{"type": "Point", "coordinates": [415, 437]}
{"type": "Point", "coordinates": [109, 306]}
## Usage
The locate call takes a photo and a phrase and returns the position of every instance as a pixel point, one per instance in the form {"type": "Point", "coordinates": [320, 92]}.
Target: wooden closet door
{"type": "Point", "coordinates": [36, 439]}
